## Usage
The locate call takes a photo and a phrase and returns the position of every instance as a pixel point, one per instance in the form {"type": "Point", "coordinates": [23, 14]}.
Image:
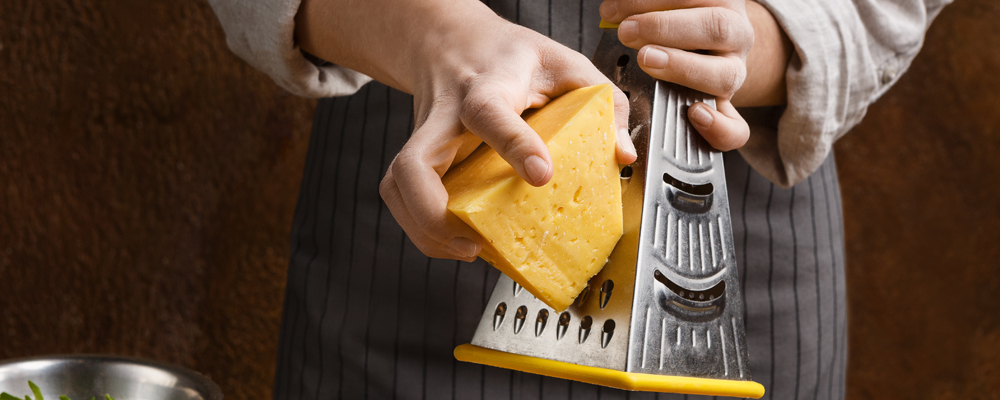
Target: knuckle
{"type": "Point", "coordinates": [436, 229]}
{"type": "Point", "coordinates": [429, 251]}
{"type": "Point", "coordinates": [658, 28]}
{"type": "Point", "coordinates": [749, 37]}
{"type": "Point", "coordinates": [734, 139]}
{"type": "Point", "coordinates": [479, 106]}
{"type": "Point", "coordinates": [513, 147]}
{"type": "Point", "coordinates": [405, 160]}
{"type": "Point", "coordinates": [733, 77]}
{"type": "Point", "coordinates": [385, 187]}
{"type": "Point", "coordinates": [720, 26]}
{"type": "Point", "coordinates": [738, 139]}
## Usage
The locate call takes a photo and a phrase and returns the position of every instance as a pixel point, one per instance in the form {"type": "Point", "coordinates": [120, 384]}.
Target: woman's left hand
{"type": "Point", "coordinates": [701, 44]}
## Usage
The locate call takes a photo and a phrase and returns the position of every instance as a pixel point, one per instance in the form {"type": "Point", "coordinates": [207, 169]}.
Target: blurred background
{"type": "Point", "coordinates": [148, 179]}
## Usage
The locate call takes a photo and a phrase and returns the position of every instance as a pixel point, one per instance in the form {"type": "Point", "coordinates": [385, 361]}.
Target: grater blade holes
{"type": "Point", "coordinates": [626, 172]}
{"type": "Point", "coordinates": [582, 297]}
{"type": "Point", "coordinates": [585, 326]}
{"type": "Point", "coordinates": [540, 320]}
{"type": "Point", "coordinates": [562, 325]}
{"type": "Point", "coordinates": [690, 304]}
{"type": "Point", "coordinates": [517, 289]}
{"type": "Point", "coordinates": [607, 332]}
{"type": "Point", "coordinates": [623, 60]}
{"type": "Point", "coordinates": [689, 197]}
{"type": "Point", "coordinates": [606, 289]}
{"type": "Point", "coordinates": [498, 315]}
{"type": "Point", "coordinates": [522, 313]}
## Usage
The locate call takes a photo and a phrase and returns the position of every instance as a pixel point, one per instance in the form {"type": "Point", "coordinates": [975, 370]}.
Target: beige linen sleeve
{"type": "Point", "coordinates": [261, 32]}
{"type": "Point", "coordinates": [847, 54]}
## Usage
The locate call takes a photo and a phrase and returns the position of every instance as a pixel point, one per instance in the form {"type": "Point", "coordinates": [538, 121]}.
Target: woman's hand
{"type": "Point", "coordinates": [701, 44]}
{"type": "Point", "coordinates": [466, 68]}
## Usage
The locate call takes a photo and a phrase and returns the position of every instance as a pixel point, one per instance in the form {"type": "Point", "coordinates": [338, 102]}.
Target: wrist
{"type": "Point", "coordinates": [393, 41]}
{"type": "Point", "coordinates": [766, 63]}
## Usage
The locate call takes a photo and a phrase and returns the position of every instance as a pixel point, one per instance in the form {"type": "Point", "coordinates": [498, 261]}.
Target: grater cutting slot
{"type": "Point", "coordinates": [563, 325]}
{"type": "Point", "coordinates": [585, 324]}
{"type": "Point", "coordinates": [522, 313]}
{"type": "Point", "coordinates": [607, 332]}
{"type": "Point", "coordinates": [498, 315]}
{"type": "Point", "coordinates": [690, 197]}
{"type": "Point", "coordinates": [690, 305]}
{"type": "Point", "coordinates": [626, 172]}
{"type": "Point", "coordinates": [606, 289]}
{"type": "Point", "coordinates": [540, 320]}
{"type": "Point", "coordinates": [582, 297]}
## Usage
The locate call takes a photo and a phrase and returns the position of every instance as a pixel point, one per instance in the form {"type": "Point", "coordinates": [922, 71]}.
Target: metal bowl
{"type": "Point", "coordinates": [85, 376]}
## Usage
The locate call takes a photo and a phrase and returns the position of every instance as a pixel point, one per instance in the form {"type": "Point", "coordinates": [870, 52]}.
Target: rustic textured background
{"type": "Point", "coordinates": [148, 178]}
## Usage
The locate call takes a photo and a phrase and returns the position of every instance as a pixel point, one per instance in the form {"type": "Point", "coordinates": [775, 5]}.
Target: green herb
{"type": "Point", "coordinates": [35, 390]}
{"type": "Point", "coordinates": [38, 394]}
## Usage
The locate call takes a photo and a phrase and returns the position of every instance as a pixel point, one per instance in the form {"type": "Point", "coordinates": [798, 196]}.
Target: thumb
{"type": "Point", "coordinates": [494, 118]}
{"type": "Point", "coordinates": [724, 128]}
{"type": "Point", "coordinates": [624, 148]}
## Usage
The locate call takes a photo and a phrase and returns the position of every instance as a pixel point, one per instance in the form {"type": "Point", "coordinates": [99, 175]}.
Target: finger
{"type": "Point", "coordinates": [715, 75]}
{"type": "Point", "coordinates": [416, 172]}
{"type": "Point", "coordinates": [711, 28]}
{"type": "Point", "coordinates": [430, 247]}
{"type": "Point", "coordinates": [624, 148]}
{"type": "Point", "coordinates": [492, 113]}
{"type": "Point", "coordinates": [724, 128]}
{"type": "Point", "coordinates": [615, 11]}
{"type": "Point", "coordinates": [566, 71]}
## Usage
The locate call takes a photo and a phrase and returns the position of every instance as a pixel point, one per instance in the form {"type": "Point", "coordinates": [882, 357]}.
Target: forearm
{"type": "Point", "coordinates": [766, 63]}
{"type": "Point", "coordinates": [384, 38]}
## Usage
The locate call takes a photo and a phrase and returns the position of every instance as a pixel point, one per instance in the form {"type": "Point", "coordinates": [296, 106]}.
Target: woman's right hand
{"type": "Point", "coordinates": [466, 68]}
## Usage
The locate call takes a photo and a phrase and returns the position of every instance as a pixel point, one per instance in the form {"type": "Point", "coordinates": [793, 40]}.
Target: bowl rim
{"type": "Point", "coordinates": [214, 392]}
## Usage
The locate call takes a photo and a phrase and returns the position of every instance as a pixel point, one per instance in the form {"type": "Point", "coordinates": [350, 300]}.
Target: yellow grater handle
{"type": "Point", "coordinates": [609, 377]}
{"type": "Point", "coordinates": [608, 25]}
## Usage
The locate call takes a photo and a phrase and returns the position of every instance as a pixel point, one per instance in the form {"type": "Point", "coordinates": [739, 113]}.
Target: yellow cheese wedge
{"type": "Point", "coordinates": [550, 239]}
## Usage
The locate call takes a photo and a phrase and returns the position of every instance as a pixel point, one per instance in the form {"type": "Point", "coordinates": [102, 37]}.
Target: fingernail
{"type": "Point", "coordinates": [609, 9]}
{"type": "Point", "coordinates": [463, 247]}
{"type": "Point", "coordinates": [655, 58]}
{"type": "Point", "coordinates": [535, 168]}
{"type": "Point", "coordinates": [701, 117]}
{"type": "Point", "coordinates": [628, 31]}
{"type": "Point", "coordinates": [626, 141]}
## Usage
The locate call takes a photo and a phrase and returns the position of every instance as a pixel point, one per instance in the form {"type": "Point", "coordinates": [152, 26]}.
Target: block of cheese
{"type": "Point", "coordinates": [550, 239]}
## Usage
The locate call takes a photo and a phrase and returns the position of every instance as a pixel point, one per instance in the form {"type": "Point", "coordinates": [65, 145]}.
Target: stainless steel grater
{"type": "Point", "coordinates": [665, 314]}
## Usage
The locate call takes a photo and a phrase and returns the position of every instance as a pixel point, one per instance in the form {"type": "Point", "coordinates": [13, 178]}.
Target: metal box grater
{"type": "Point", "coordinates": [665, 314]}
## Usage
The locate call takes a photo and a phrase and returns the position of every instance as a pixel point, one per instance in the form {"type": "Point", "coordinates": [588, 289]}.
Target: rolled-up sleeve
{"type": "Point", "coordinates": [847, 54]}
{"type": "Point", "coordinates": [262, 32]}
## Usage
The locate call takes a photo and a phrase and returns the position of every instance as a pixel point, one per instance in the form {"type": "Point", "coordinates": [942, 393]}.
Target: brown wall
{"type": "Point", "coordinates": [148, 178]}
{"type": "Point", "coordinates": [921, 184]}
